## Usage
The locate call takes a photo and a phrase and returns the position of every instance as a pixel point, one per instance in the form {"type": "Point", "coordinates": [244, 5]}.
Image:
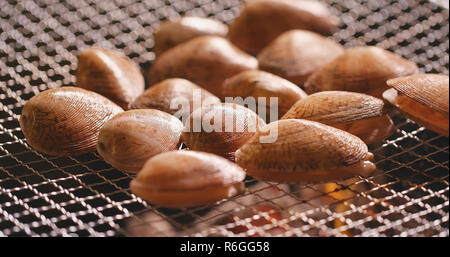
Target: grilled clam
{"type": "Point", "coordinates": [201, 179]}
{"type": "Point", "coordinates": [423, 98]}
{"type": "Point", "coordinates": [110, 74]}
{"type": "Point", "coordinates": [261, 21]}
{"type": "Point", "coordinates": [296, 54]}
{"type": "Point", "coordinates": [359, 114]}
{"type": "Point", "coordinates": [65, 121]}
{"type": "Point", "coordinates": [360, 69]}
{"type": "Point", "coordinates": [220, 128]}
{"type": "Point", "coordinates": [206, 61]}
{"type": "Point", "coordinates": [172, 33]}
{"type": "Point", "coordinates": [130, 138]}
{"type": "Point", "coordinates": [305, 152]}
{"type": "Point", "coordinates": [254, 83]}
{"type": "Point", "coordinates": [174, 96]}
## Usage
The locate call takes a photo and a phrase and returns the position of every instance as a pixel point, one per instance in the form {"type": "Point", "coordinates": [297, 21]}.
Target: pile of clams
{"type": "Point", "coordinates": [191, 147]}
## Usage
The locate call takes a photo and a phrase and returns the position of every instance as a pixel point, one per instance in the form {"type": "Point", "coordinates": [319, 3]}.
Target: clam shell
{"type": "Point", "coordinates": [206, 61]}
{"type": "Point", "coordinates": [360, 69]}
{"type": "Point", "coordinates": [296, 54]}
{"type": "Point", "coordinates": [254, 83]}
{"type": "Point", "coordinates": [234, 125]}
{"type": "Point", "coordinates": [172, 33]}
{"type": "Point", "coordinates": [130, 138]}
{"type": "Point", "coordinates": [301, 146]}
{"type": "Point", "coordinates": [336, 107]}
{"type": "Point", "coordinates": [424, 98]}
{"type": "Point", "coordinates": [65, 121]}
{"type": "Point", "coordinates": [431, 90]}
{"type": "Point", "coordinates": [167, 92]}
{"type": "Point", "coordinates": [359, 114]}
{"type": "Point", "coordinates": [110, 74]}
{"type": "Point", "coordinates": [261, 21]}
{"type": "Point", "coordinates": [199, 173]}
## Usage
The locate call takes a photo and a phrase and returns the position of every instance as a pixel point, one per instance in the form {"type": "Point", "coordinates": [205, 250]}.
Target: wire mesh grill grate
{"type": "Point", "coordinates": [42, 195]}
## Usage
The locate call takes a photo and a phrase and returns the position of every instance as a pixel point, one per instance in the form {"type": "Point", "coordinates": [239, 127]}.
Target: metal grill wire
{"type": "Point", "coordinates": [42, 195]}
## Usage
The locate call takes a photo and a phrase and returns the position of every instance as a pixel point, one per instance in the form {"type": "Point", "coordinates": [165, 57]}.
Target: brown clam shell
{"type": "Point", "coordinates": [344, 110]}
{"type": "Point", "coordinates": [161, 95]}
{"type": "Point", "coordinates": [172, 33]}
{"type": "Point", "coordinates": [301, 148]}
{"type": "Point", "coordinates": [261, 21]}
{"type": "Point", "coordinates": [334, 107]}
{"type": "Point", "coordinates": [423, 98]}
{"type": "Point", "coordinates": [255, 83]}
{"type": "Point", "coordinates": [431, 90]}
{"type": "Point", "coordinates": [110, 74]}
{"type": "Point", "coordinates": [360, 69]}
{"type": "Point", "coordinates": [65, 121]}
{"type": "Point", "coordinates": [201, 179]}
{"type": "Point", "coordinates": [233, 125]}
{"type": "Point", "coordinates": [206, 61]}
{"type": "Point", "coordinates": [132, 137]}
{"type": "Point", "coordinates": [296, 54]}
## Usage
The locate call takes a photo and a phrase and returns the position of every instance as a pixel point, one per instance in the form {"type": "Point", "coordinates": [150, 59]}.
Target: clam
{"type": "Point", "coordinates": [423, 98]}
{"type": "Point", "coordinates": [132, 137]}
{"type": "Point", "coordinates": [359, 114]}
{"type": "Point", "coordinates": [206, 61]}
{"type": "Point", "coordinates": [65, 121]}
{"type": "Point", "coordinates": [175, 96]}
{"type": "Point", "coordinates": [296, 54]}
{"type": "Point", "coordinates": [361, 69]}
{"type": "Point", "coordinates": [261, 21]}
{"type": "Point", "coordinates": [257, 84]}
{"type": "Point", "coordinates": [305, 152]}
{"type": "Point", "coordinates": [179, 179]}
{"type": "Point", "coordinates": [172, 33]}
{"type": "Point", "coordinates": [110, 74]}
{"type": "Point", "coordinates": [220, 128]}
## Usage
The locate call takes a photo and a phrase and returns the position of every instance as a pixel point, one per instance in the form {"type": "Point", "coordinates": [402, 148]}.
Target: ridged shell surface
{"type": "Point", "coordinates": [334, 107]}
{"type": "Point", "coordinates": [110, 74]}
{"type": "Point", "coordinates": [431, 90]}
{"type": "Point", "coordinates": [65, 121]}
{"type": "Point", "coordinates": [301, 146]}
